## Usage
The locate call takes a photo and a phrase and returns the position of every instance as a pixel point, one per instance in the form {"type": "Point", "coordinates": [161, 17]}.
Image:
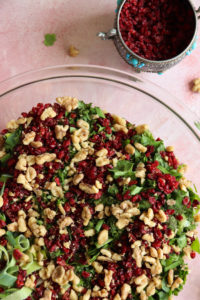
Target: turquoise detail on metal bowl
{"type": "Point", "coordinates": [134, 62]}
{"type": "Point", "coordinates": [141, 65]}
{"type": "Point", "coordinates": [127, 56]}
{"type": "Point", "coordinates": [160, 73]}
{"type": "Point", "coordinates": [119, 2]}
{"type": "Point", "coordinates": [188, 52]}
{"type": "Point", "coordinates": [194, 46]}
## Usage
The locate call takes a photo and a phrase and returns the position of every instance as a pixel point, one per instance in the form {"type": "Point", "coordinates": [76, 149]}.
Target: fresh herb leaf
{"type": "Point", "coordinates": [172, 262]}
{"type": "Point", "coordinates": [196, 246]}
{"type": "Point", "coordinates": [12, 139]}
{"type": "Point", "coordinates": [173, 223]}
{"type": "Point", "coordinates": [113, 189]}
{"type": "Point", "coordinates": [5, 177]}
{"type": "Point", "coordinates": [170, 171]}
{"type": "Point", "coordinates": [123, 169]}
{"type": "Point", "coordinates": [182, 241]}
{"type": "Point", "coordinates": [97, 111]}
{"type": "Point", "coordinates": [134, 189]}
{"type": "Point", "coordinates": [163, 296]}
{"type": "Point", "coordinates": [49, 39]}
{"type": "Point", "coordinates": [144, 205]}
{"type": "Point", "coordinates": [56, 254]}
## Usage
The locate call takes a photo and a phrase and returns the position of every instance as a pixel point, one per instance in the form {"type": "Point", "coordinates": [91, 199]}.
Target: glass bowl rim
{"type": "Point", "coordinates": [107, 73]}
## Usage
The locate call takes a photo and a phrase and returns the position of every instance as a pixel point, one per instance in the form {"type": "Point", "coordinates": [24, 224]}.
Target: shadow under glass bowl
{"type": "Point", "coordinates": [120, 93]}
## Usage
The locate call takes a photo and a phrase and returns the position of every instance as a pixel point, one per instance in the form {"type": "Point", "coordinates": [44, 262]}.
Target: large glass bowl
{"type": "Point", "coordinates": [120, 93]}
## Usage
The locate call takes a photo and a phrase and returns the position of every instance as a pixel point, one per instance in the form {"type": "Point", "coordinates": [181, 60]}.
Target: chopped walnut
{"type": "Point", "coordinates": [56, 191]}
{"type": "Point", "coordinates": [137, 255]}
{"type": "Point", "coordinates": [83, 124]}
{"type": "Point", "coordinates": [1, 201]}
{"type": "Point", "coordinates": [102, 293]}
{"type": "Point", "coordinates": [118, 127]}
{"type": "Point", "coordinates": [49, 213]}
{"type": "Point", "coordinates": [170, 277]}
{"type": "Point", "coordinates": [140, 171]}
{"type": "Point", "coordinates": [176, 283]}
{"type": "Point", "coordinates": [80, 156]}
{"type": "Point", "coordinates": [89, 232]}
{"type": "Point", "coordinates": [73, 51]}
{"type": "Point", "coordinates": [45, 273]}
{"type": "Point", "coordinates": [87, 295]}
{"type": "Point", "coordinates": [65, 222]}
{"type": "Point", "coordinates": [143, 296]}
{"type": "Point", "coordinates": [30, 174]}
{"type": "Point", "coordinates": [12, 125]}
{"type": "Point", "coordinates": [156, 268]}
{"type": "Point", "coordinates": [2, 153]}
{"type": "Point", "coordinates": [61, 131]}
{"type": "Point", "coordinates": [97, 266]}
{"type": "Point", "coordinates": [196, 85]}
{"type": "Point", "coordinates": [88, 189]}
{"type": "Point", "coordinates": [22, 224]}
{"type": "Point", "coordinates": [196, 218]}
{"type": "Point", "coordinates": [102, 161]}
{"type": "Point", "coordinates": [130, 149]}
{"type": "Point", "coordinates": [78, 178]}
{"type": "Point", "coordinates": [21, 179]}
{"type": "Point", "coordinates": [48, 113]}
{"type": "Point", "coordinates": [102, 237]}
{"type": "Point", "coordinates": [30, 282]}
{"type": "Point", "coordinates": [69, 103]}
{"type": "Point", "coordinates": [108, 278]}
{"type": "Point", "coordinates": [2, 232]}
{"type": "Point", "coordinates": [12, 227]}
{"type": "Point", "coordinates": [29, 138]}
{"type": "Point", "coordinates": [102, 153]}
{"type": "Point", "coordinates": [79, 136]}
{"type": "Point", "coordinates": [86, 215]}
{"type": "Point", "coordinates": [141, 128]}
{"type": "Point", "coordinates": [73, 295]}
{"type": "Point", "coordinates": [140, 147]}
{"type": "Point", "coordinates": [161, 216]}
{"type": "Point", "coordinates": [151, 289]}
{"type": "Point", "coordinates": [36, 144]}
{"type": "Point", "coordinates": [125, 291]}
{"type": "Point", "coordinates": [47, 295]}
{"type": "Point", "coordinates": [148, 237]}
{"type": "Point", "coordinates": [46, 157]}
{"type": "Point", "coordinates": [117, 297]}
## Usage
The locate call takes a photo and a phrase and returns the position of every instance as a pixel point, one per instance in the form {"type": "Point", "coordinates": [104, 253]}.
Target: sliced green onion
{"type": "Point", "coordinates": [10, 238]}
{"type": "Point", "coordinates": [19, 294]}
{"type": "Point", "coordinates": [99, 224]}
{"type": "Point", "coordinates": [6, 277]}
{"type": "Point", "coordinates": [22, 243]}
{"type": "Point", "coordinates": [32, 266]}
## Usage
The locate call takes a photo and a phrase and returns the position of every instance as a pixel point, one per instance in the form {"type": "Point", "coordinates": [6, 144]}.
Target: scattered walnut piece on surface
{"type": "Point", "coordinates": [73, 51]}
{"type": "Point", "coordinates": [196, 85]}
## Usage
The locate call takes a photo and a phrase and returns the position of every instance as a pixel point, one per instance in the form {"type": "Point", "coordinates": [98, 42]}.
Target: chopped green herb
{"type": "Point", "coordinates": [49, 39]}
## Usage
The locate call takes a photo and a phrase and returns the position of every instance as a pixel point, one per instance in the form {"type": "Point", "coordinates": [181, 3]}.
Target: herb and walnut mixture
{"type": "Point", "coordinates": [91, 207]}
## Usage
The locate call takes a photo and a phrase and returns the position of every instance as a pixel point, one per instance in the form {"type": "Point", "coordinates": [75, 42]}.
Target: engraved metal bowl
{"type": "Point", "coordinates": [139, 63]}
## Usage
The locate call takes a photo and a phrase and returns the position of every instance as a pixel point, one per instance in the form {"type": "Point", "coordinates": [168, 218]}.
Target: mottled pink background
{"type": "Point", "coordinates": [23, 24]}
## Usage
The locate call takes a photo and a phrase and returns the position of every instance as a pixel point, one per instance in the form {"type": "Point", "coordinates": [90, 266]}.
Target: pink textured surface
{"type": "Point", "coordinates": [22, 28]}
{"type": "Point", "coordinates": [76, 22]}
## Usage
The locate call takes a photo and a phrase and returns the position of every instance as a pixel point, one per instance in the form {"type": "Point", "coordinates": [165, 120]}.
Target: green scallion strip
{"type": "Point", "coordinates": [22, 243]}
{"type": "Point", "coordinates": [19, 294]}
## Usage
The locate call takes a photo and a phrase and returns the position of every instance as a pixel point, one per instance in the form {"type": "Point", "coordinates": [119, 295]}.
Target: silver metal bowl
{"type": "Point", "coordinates": [139, 63]}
